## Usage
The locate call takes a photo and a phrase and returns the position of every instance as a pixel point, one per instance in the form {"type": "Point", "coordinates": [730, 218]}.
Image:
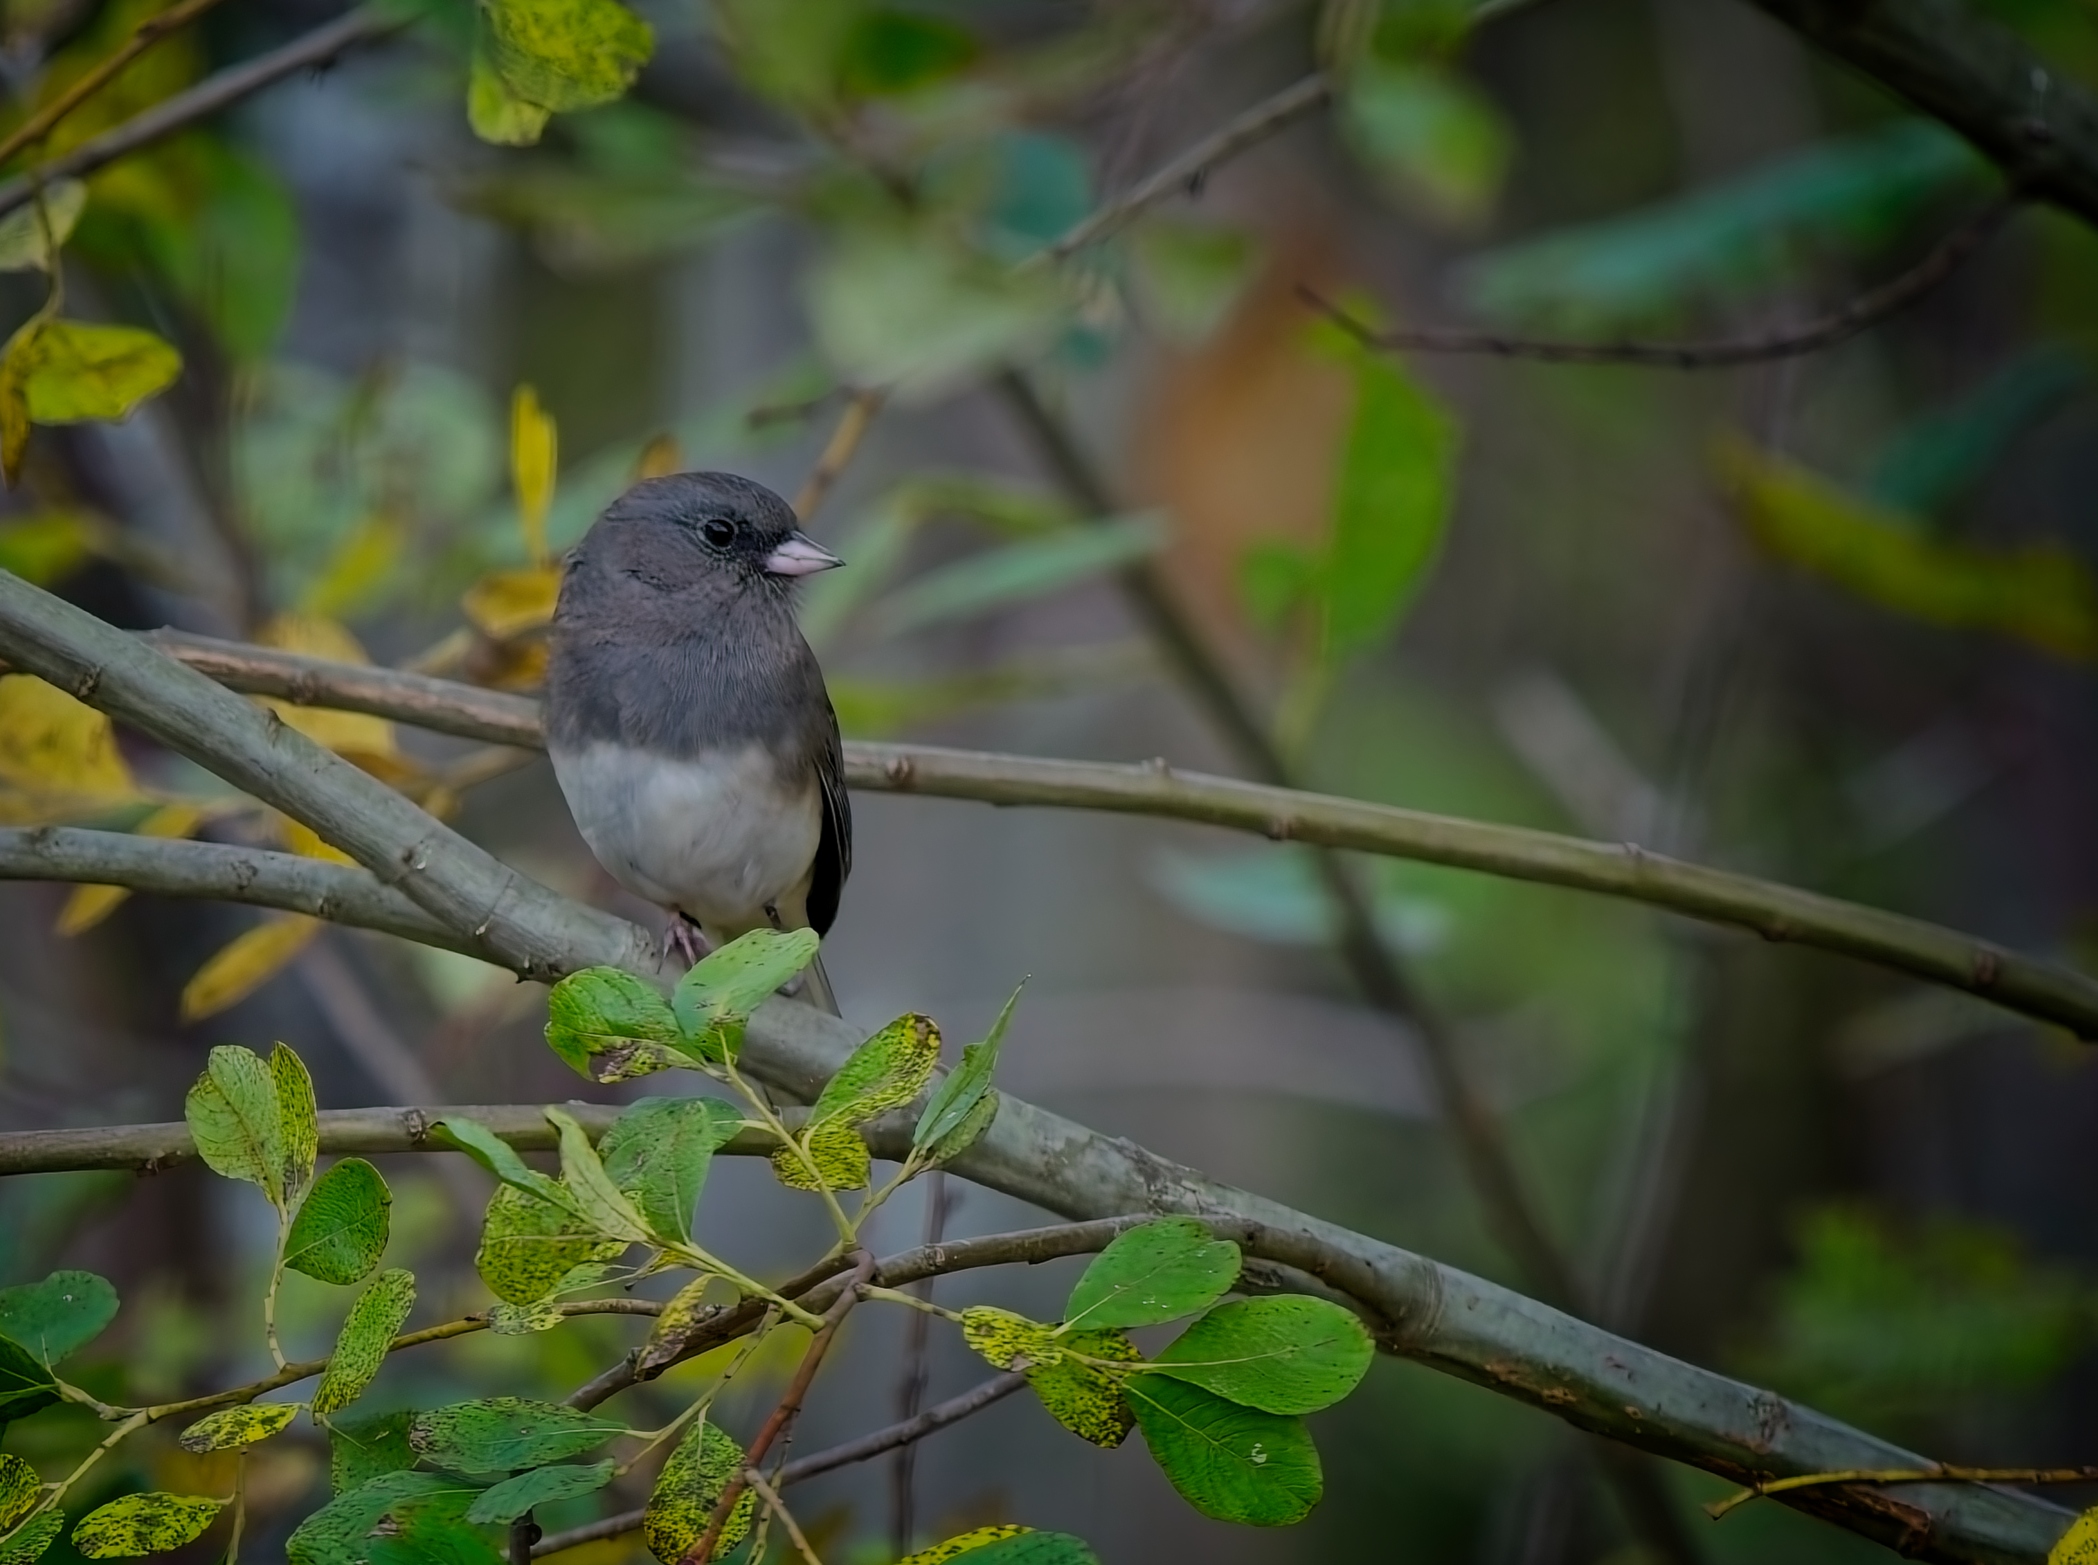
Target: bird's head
{"type": "Point", "coordinates": [687, 530]}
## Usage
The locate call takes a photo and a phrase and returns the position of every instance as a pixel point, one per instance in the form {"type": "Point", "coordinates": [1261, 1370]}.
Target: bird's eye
{"type": "Point", "coordinates": [718, 532]}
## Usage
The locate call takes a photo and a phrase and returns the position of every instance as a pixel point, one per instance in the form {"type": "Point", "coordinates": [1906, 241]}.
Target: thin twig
{"type": "Point", "coordinates": [1939, 1473]}
{"type": "Point", "coordinates": [208, 97]}
{"type": "Point", "coordinates": [1867, 310]}
{"type": "Point", "coordinates": [97, 76]}
{"type": "Point", "coordinates": [839, 450]}
{"type": "Point", "coordinates": [781, 1416]}
{"type": "Point", "coordinates": [778, 1507]}
{"type": "Point", "coordinates": [910, 1389]}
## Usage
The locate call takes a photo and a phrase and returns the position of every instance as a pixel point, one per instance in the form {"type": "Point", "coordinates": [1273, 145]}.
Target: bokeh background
{"type": "Point", "coordinates": [1827, 619]}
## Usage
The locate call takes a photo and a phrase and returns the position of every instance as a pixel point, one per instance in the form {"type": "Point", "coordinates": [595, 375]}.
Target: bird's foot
{"type": "Point", "coordinates": [683, 938]}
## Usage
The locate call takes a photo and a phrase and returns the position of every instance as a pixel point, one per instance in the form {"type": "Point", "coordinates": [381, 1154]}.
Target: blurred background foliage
{"type": "Point", "coordinates": [1826, 619]}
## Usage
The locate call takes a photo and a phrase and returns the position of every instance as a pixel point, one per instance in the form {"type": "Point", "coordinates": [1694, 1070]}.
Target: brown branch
{"type": "Point", "coordinates": [208, 97]}
{"type": "Point", "coordinates": [1867, 310]}
{"type": "Point", "coordinates": [99, 75]}
{"type": "Point", "coordinates": [783, 1415]}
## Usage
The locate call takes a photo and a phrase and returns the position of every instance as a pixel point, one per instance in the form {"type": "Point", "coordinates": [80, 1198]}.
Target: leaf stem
{"type": "Point", "coordinates": [269, 1295]}
{"type": "Point", "coordinates": [1942, 1473]}
{"type": "Point", "coordinates": [778, 1507]}
{"type": "Point", "coordinates": [898, 1296]}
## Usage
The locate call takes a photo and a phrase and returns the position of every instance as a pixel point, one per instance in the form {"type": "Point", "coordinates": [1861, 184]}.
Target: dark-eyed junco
{"type": "Point", "coordinates": [687, 719]}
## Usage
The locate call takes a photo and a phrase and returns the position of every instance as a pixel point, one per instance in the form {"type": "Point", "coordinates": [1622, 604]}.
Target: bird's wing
{"type": "Point", "coordinates": [834, 852]}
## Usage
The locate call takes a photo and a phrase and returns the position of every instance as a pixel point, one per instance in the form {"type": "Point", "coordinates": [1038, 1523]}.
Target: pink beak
{"type": "Point", "coordinates": [800, 555]}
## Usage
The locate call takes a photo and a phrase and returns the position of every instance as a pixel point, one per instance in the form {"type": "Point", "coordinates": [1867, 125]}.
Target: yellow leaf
{"type": "Point", "coordinates": [51, 545]}
{"type": "Point", "coordinates": [307, 843]}
{"type": "Point", "coordinates": [496, 113]}
{"type": "Point", "coordinates": [81, 370]}
{"type": "Point", "coordinates": [358, 568]}
{"type": "Point", "coordinates": [2079, 1545]}
{"type": "Point", "coordinates": [533, 450]}
{"type": "Point", "coordinates": [963, 1543]}
{"type": "Point", "coordinates": [28, 237]}
{"type": "Point", "coordinates": [89, 905]}
{"type": "Point", "coordinates": [2040, 593]}
{"type": "Point", "coordinates": [503, 604]}
{"type": "Point", "coordinates": [566, 54]}
{"type": "Point", "coordinates": [16, 361]}
{"type": "Point", "coordinates": [660, 458]}
{"type": "Point", "coordinates": [246, 963]}
{"type": "Point", "coordinates": [356, 736]}
{"type": "Point", "coordinates": [52, 745]}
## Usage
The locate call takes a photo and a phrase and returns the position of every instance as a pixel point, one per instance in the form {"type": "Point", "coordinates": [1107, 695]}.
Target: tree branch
{"type": "Point", "coordinates": [207, 98]}
{"type": "Point", "coordinates": [1867, 310]}
{"type": "Point", "coordinates": [1776, 912]}
{"type": "Point", "coordinates": [1435, 1314]}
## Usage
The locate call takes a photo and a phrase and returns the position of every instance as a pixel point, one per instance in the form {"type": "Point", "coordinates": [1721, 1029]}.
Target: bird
{"type": "Point", "coordinates": [687, 718]}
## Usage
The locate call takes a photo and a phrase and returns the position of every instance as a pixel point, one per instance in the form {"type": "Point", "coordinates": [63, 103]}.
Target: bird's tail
{"type": "Point", "coordinates": [816, 989]}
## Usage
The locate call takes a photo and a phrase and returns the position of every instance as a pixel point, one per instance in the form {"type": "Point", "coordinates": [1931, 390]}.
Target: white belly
{"type": "Point", "coordinates": [717, 838]}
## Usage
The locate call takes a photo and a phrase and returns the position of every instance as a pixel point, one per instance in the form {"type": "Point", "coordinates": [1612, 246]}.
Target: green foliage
{"type": "Point", "coordinates": [1024, 570]}
{"type": "Point", "coordinates": [361, 1449]}
{"type": "Point", "coordinates": [58, 1316]}
{"type": "Point", "coordinates": [611, 1026]}
{"type": "Point", "coordinates": [658, 1152]}
{"type": "Point", "coordinates": [298, 1119]}
{"type": "Point", "coordinates": [599, 1202]}
{"type": "Point", "coordinates": [691, 1484]}
{"type": "Point", "coordinates": [1943, 456]}
{"type": "Point", "coordinates": [1287, 1354]}
{"type": "Point", "coordinates": [150, 1523]}
{"type": "Point", "coordinates": [1153, 1274]}
{"type": "Point", "coordinates": [962, 1107]}
{"type": "Point", "coordinates": [76, 370]}
{"type": "Point", "coordinates": [496, 1155]}
{"type": "Point", "coordinates": [360, 1347]}
{"type": "Point", "coordinates": [31, 234]}
{"type": "Point", "coordinates": [1880, 1325]}
{"type": "Point", "coordinates": [19, 1489]}
{"type": "Point", "coordinates": [715, 998]}
{"type": "Point", "coordinates": [26, 1383]}
{"type": "Point", "coordinates": [234, 1114]}
{"type": "Point", "coordinates": [233, 1428]}
{"type": "Point", "coordinates": [29, 1542]}
{"type": "Point", "coordinates": [564, 55]}
{"type": "Point", "coordinates": [1074, 1383]}
{"type": "Point", "coordinates": [2041, 594]}
{"type": "Point", "coordinates": [528, 1245]}
{"type": "Point", "coordinates": [341, 1228]}
{"type": "Point", "coordinates": [1433, 140]}
{"type": "Point", "coordinates": [1842, 198]}
{"type": "Point", "coordinates": [1230, 1462]}
{"type": "Point", "coordinates": [502, 1434]}
{"type": "Point", "coordinates": [1006, 1544]}
{"type": "Point", "coordinates": [510, 1499]}
{"type": "Point", "coordinates": [884, 1073]}
{"type": "Point", "coordinates": [1184, 279]}
{"type": "Point", "coordinates": [350, 1528]}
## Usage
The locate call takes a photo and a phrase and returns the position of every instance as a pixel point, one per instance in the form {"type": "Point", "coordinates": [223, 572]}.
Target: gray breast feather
{"type": "Point", "coordinates": [718, 837]}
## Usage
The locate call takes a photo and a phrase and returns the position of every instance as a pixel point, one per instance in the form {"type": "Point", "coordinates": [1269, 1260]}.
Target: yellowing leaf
{"type": "Point", "coordinates": [234, 1427]}
{"type": "Point", "coordinates": [504, 604]}
{"type": "Point", "coordinates": [50, 545]}
{"type": "Point", "coordinates": [566, 54]}
{"type": "Point", "coordinates": [533, 455]}
{"type": "Point", "coordinates": [89, 905]}
{"type": "Point", "coordinates": [307, 843]}
{"type": "Point", "coordinates": [496, 113]}
{"type": "Point", "coordinates": [356, 736]}
{"type": "Point", "coordinates": [59, 755]}
{"type": "Point", "coordinates": [962, 1543]}
{"type": "Point", "coordinates": [358, 568]}
{"type": "Point", "coordinates": [2039, 593]}
{"type": "Point", "coordinates": [144, 1524]}
{"type": "Point", "coordinates": [17, 359]}
{"type": "Point", "coordinates": [29, 237]}
{"type": "Point", "coordinates": [246, 963]}
{"type": "Point", "coordinates": [660, 458]}
{"type": "Point", "coordinates": [80, 370]}
{"type": "Point", "coordinates": [2079, 1545]}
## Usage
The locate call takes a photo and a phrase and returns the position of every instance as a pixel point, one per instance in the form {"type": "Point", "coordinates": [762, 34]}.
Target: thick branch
{"type": "Point", "coordinates": [1978, 77]}
{"type": "Point", "coordinates": [207, 98]}
{"type": "Point", "coordinates": [1776, 912]}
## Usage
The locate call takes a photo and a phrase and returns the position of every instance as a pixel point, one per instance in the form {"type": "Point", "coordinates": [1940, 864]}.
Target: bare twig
{"type": "Point", "coordinates": [910, 1388]}
{"type": "Point", "coordinates": [781, 1416]}
{"type": "Point", "coordinates": [207, 98]}
{"type": "Point", "coordinates": [101, 73]}
{"type": "Point", "coordinates": [839, 450]}
{"type": "Point", "coordinates": [1867, 310]}
{"type": "Point", "coordinates": [1937, 1473]}
{"type": "Point", "coordinates": [770, 1497]}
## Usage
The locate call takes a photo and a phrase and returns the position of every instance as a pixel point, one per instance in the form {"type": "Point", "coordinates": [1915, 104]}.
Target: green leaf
{"type": "Point", "coordinates": [512, 1497]}
{"type": "Point", "coordinates": [144, 1524]}
{"type": "Point", "coordinates": [1153, 1274]}
{"type": "Point", "coordinates": [1230, 1462]}
{"type": "Point", "coordinates": [529, 1245]}
{"type": "Point", "coordinates": [234, 1115]}
{"type": "Point", "coordinates": [523, 1320]}
{"type": "Point", "coordinates": [1433, 139]}
{"type": "Point", "coordinates": [611, 1026]}
{"type": "Point", "coordinates": [20, 1489]}
{"type": "Point", "coordinates": [1391, 505]}
{"type": "Point", "coordinates": [951, 1121]}
{"type": "Point", "coordinates": [502, 1434]}
{"type": "Point", "coordinates": [1007, 1544]}
{"type": "Point", "coordinates": [299, 1121]}
{"type": "Point", "coordinates": [78, 370]}
{"type": "Point", "coordinates": [659, 1150]}
{"type": "Point", "coordinates": [58, 1316]}
{"type": "Point", "coordinates": [26, 1383]}
{"type": "Point", "coordinates": [361, 1449]}
{"type": "Point", "coordinates": [885, 1072]}
{"type": "Point", "coordinates": [790, 50]}
{"type": "Point", "coordinates": [566, 54]}
{"type": "Point", "coordinates": [233, 1428]}
{"type": "Point", "coordinates": [1022, 571]}
{"type": "Point", "coordinates": [715, 999]}
{"type": "Point", "coordinates": [1186, 278]}
{"type": "Point", "coordinates": [2039, 593]}
{"type": "Point", "coordinates": [29, 238]}
{"type": "Point", "coordinates": [340, 1532]}
{"type": "Point", "coordinates": [687, 1490]}
{"type": "Point", "coordinates": [496, 1155]}
{"type": "Point", "coordinates": [360, 1347]}
{"type": "Point", "coordinates": [889, 52]}
{"type": "Point", "coordinates": [341, 1229]}
{"type": "Point", "coordinates": [600, 1203]}
{"type": "Point", "coordinates": [1945, 455]}
{"type": "Point", "coordinates": [495, 112]}
{"type": "Point", "coordinates": [1288, 1354]}
{"type": "Point", "coordinates": [29, 1542]}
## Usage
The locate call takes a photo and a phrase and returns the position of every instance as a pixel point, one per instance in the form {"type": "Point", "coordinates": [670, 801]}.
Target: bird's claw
{"type": "Point", "coordinates": [683, 939]}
